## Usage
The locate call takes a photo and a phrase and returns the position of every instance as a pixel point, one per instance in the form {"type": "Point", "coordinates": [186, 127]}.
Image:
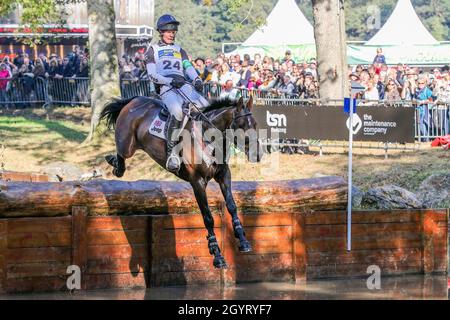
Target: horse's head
{"type": "Point", "coordinates": [245, 131]}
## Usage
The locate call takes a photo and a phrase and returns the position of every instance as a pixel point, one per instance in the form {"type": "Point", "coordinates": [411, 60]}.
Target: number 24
{"type": "Point", "coordinates": [168, 65]}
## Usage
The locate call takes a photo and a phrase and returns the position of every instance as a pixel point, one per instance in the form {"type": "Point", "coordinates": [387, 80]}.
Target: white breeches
{"type": "Point", "coordinates": [174, 100]}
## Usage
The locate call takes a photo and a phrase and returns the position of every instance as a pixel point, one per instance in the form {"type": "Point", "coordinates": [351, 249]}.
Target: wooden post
{"type": "Point", "coordinates": [3, 253]}
{"type": "Point", "coordinates": [155, 226]}
{"type": "Point", "coordinates": [79, 240]}
{"type": "Point", "coordinates": [228, 276]}
{"type": "Point", "coordinates": [299, 257]}
{"type": "Point", "coordinates": [434, 241]}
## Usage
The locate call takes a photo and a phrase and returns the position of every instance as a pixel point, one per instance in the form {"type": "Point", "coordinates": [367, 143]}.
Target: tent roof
{"type": "Point", "coordinates": [285, 25]}
{"type": "Point", "coordinates": [403, 28]}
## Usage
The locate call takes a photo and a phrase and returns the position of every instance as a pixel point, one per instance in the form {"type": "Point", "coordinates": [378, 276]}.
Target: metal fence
{"type": "Point", "coordinates": [26, 91]}
{"type": "Point", "coordinates": [431, 120]}
{"type": "Point", "coordinates": [133, 88]}
{"type": "Point", "coordinates": [23, 92]}
{"type": "Point", "coordinates": [72, 91]}
{"type": "Point", "coordinates": [215, 90]}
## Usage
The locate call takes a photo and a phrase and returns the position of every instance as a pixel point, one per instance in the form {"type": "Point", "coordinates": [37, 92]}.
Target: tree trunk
{"type": "Point", "coordinates": [329, 32]}
{"type": "Point", "coordinates": [111, 197]}
{"type": "Point", "coordinates": [104, 77]}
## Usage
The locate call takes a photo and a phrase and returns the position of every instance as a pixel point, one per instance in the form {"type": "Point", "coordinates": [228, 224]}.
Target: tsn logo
{"type": "Point", "coordinates": [276, 120]}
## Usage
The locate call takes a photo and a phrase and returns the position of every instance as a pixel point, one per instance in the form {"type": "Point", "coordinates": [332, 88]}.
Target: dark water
{"type": "Point", "coordinates": [392, 288]}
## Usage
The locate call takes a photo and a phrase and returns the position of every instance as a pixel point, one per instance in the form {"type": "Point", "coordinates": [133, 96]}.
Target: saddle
{"type": "Point", "coordinates": [158, 128]}
{"type": "Point", "coordinates": [159, 125]}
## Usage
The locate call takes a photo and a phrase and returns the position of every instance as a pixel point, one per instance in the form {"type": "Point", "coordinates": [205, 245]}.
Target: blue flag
{"type": "Point", "coordinates": [347, 102]}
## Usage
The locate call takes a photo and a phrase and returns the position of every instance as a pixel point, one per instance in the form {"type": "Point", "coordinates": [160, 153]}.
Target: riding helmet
{"type": "Point", "coordinates": [167, 22]}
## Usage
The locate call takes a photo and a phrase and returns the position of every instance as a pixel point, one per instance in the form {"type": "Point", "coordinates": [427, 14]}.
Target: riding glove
{"type": "Point", "coordinates": [198, 85]}
{"type": "Point", "coordinates": [177, 83]}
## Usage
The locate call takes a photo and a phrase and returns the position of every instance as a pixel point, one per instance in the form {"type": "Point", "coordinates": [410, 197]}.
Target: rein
{"type": "Point", "coordinates": [240, 116]}
{"type": "Point", "coordinates": [180, 92]}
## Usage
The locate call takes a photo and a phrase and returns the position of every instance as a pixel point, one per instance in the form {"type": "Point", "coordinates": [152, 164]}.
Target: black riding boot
{"type": "Point", "coordinates": [173, 161]}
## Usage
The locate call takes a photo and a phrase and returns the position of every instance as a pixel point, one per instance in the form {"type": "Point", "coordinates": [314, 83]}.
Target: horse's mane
{"type": "Point", "coordinates": [219, 104]}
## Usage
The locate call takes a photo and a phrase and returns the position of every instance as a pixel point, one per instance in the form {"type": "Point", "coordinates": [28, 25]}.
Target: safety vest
{"type": "Point", "coordinates": [168, 60]}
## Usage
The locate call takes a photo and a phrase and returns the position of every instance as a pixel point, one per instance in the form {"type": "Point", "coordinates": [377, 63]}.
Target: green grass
{"type": "Point", "coordinates": [13, 126]}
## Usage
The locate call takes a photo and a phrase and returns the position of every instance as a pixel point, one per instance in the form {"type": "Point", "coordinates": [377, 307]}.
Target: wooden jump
{"type": "Point", "coordinates": [292, 241]}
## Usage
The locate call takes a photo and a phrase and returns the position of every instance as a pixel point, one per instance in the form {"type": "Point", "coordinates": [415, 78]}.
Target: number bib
{"type": "Point", "coordinates": [168, 60]}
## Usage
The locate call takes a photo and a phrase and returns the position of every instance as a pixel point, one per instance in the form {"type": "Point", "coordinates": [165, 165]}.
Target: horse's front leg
{"type": "Point", "coordinates": [118, 163]}
{"type": "Point", "coordinates": [224, 180]}
{"type": "Point", "coordinates": [213, 245]}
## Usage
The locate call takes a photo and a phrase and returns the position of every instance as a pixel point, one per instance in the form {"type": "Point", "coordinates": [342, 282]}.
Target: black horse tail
{"type": "Point", "coordinates": [112, 110]}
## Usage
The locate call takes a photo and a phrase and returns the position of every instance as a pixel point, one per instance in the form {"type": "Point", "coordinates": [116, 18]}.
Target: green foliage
{"type": "Point", "coordinates": [206, 24]}
{"type": "Point", "coordinates": [233, 21]}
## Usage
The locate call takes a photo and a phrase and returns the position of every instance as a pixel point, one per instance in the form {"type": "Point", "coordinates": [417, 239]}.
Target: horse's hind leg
{"type": "Point", "coordinates": [224, 180]}
{"type": "Point", "coordinates": [213, 245]}
{"type": "Point", "coordinates": [126, 147]}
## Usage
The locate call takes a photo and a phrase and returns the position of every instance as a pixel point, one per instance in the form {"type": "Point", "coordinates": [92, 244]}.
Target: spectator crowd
{"type": "Point", "coordinates": [230, 76]}
{"type": "Point", "coordinates": [21, 77]}
{"type": "Point", "coordinates": [401, 82]}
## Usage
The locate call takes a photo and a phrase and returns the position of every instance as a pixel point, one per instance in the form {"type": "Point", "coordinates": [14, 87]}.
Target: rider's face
{"type": "Point", "coordinates": [169, 36]}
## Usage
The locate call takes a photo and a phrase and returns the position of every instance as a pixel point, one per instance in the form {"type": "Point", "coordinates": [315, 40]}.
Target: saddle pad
{"type": "Point", "coordinates": [158, 128]}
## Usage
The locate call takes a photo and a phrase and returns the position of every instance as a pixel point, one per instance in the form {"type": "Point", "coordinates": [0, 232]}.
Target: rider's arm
{"type": "Point", "coordinates": [152, 72]}
{"type": "Point", "coordinates": [188, 67]}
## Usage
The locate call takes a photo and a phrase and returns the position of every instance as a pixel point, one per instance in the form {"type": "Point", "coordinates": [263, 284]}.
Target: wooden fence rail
{"type": "Point", "coordinates": [161, 250]}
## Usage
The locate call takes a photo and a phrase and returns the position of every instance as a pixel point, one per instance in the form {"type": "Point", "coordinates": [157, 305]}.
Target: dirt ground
{"type": "Point", "coordinates": [33, 138]}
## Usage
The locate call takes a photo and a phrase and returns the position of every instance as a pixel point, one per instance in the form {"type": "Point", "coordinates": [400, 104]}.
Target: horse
{"type": "Point", "coordinates": [132, 119]}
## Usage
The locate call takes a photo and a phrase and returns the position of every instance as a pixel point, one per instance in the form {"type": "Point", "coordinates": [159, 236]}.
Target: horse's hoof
{"type": "Point", "coordinates": [219, 263]}
{"type": "Point", "coordinates": [117, 173]}
{"type": "Point", "coordinates": [245, 247]}
{"type": "Point", "coordinates": [111, 160]}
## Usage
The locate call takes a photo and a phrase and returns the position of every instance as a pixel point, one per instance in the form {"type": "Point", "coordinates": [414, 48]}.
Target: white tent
{"type": "Point", "coordinates": [285, 28]}
{"type": "Point", "coordinates": [285, 25]}
{"type": "Point", "coordinates": [402, 28]}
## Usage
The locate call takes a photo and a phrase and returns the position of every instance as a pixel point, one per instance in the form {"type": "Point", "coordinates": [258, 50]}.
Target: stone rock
{"type": "Point", "coordinates": [434, 192]}
{"type": "Point", "coordinates": [319, 175]}
{"type": "Point", "coordinates": [357, 197]}
{"type": "Point", "coordinates": [94, 174]}
{"type": "Point", "coordinates": [391, 197]}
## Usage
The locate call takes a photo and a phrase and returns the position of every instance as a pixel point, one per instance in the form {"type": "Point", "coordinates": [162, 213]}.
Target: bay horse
{"type": "Point", "coordinates": [132, 119]}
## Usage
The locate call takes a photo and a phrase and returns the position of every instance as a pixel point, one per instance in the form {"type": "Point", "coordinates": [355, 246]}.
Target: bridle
{"type": "Point", "coordinates": [235, 117]}
{"type": "Point", "coordinates": [247, 114]}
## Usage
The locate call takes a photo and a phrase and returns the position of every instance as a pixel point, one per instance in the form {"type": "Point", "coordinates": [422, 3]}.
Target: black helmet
{"type": "Point", "coordinates": [167, 22]}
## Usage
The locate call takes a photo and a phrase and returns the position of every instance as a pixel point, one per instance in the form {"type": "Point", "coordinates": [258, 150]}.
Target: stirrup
{"type": "Point", "coordinates": [177, 160]}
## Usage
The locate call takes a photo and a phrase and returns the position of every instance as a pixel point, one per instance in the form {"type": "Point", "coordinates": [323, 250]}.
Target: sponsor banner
{"type": "Point", "coordinates": [370, 123]}
{"type": "Point", "coordinates": [300, 53]}
{"type": "Point", "coordinates": [412, 54]}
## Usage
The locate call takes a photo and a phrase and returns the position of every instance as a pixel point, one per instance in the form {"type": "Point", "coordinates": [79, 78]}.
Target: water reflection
{"type": "Point", "coordinates": [392, 288]}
